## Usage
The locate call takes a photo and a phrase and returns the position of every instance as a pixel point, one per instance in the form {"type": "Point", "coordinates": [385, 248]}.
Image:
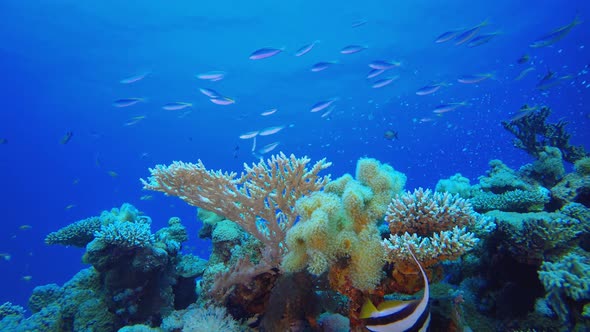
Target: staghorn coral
{"type": "Point", "coordinates": [252, 199]}
{"type": "Point", "coordinates": [533, 135]}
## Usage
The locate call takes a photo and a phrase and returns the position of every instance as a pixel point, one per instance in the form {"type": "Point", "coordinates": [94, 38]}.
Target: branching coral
{"type": "Point", "coordinates": [530, 236]}
{"type": "Point", "coordinates": [261, 200]}
{"type": "Point", "coordinates": [435, 225]}
{"type": "Point", "coordinates": [533, 134]}
{"type": "Point", "coordinates": [567, 278]}
{"type": "Point", "coordinates": [82, 232]}
{"type": "Point", "coordinates": [127, 235]}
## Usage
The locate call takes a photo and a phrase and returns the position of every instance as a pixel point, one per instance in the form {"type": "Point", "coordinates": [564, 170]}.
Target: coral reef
{"type": "Point", "coordinates": [507, 190]}
{"type": "Point", "coordinates": [251, 200]}
{"type": "Point", "coordinates": [194, 318]}
{"type": "Point", "coordinates": [137, 277]}
{"type": "Point", "coordinates": [456, 184]}
{"type": "Point", "coordinates": [530, 237]}
{"type": "Point", "coordinates": [567, 280]}
{"type": "Point", "coordinates": [533, 134]}
{"type": "Point", "coordinates": [435, 225]}
{"type": "Point", "coordinates": [340, 225]}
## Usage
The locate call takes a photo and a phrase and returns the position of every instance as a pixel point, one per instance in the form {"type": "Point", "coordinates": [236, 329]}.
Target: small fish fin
{"type": "Point", "coordinates": [576, 20]}
{"type": "Point", "coordinates": [367, 310]}
{"type": "Point", "coordinates": [484, 23]}
{"type": "Point", "coordinates": [391, 304]}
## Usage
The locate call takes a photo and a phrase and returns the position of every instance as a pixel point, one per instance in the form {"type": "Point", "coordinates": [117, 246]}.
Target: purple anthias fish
{"type": "Point", "coordinates": [446, 36]}
{"type": "Point", "coordinates": [222, 101]}
{"type": "Point", "coordinates": [125, 102]}
{"type": "Point", "coordinates": [211, 75]}
{"type": "Point", "coordinates": [429, 89]}
{"type": "Point", "coordinates": [472, 79]}
{"type": "Point", "coordinates": [305, 49]}
{"type": "Point", "coordinates": [448, 107]}
{"type": "Point", "coordinates": [384, 65]}
{"type": "Point", "coordinates": [176, 106]}
{"type": "Point", "coordinates": [556, 35]}
{"type": "Point", "coordinates": [470, 33]}
{"type": "Point", "coordinates": [350, 49]}
{"type": "Point", "coordinates": [135, 78]}
{"type": "Point", "coordinates": [322, 65]}
{"type": "Point", "coordinates": [482, 39]}
{"type": "Point", "coordinates": [375, 73]}
{"type": "Point", "coordinates": [264, 53]}
{"type": "Point", "coordinates": [210, 93]}
{"type": "Point", "coordinates": [322, 105]}
{"type": "Point", "coordinates": [383, 82]}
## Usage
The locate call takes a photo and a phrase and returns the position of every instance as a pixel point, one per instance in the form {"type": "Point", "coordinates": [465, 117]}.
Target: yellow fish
{"type": "Point", "coordinates": [25, 227]}
{"type": "Point", "coordinates": [113, 174]}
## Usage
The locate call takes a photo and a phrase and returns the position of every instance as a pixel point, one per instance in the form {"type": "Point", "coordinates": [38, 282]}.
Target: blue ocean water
{"type": "Point", "coordinates": [61, 63]}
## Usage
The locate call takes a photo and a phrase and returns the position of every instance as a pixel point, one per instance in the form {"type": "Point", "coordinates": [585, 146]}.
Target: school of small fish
{"type": "Point", "coordinates": [381, 75]}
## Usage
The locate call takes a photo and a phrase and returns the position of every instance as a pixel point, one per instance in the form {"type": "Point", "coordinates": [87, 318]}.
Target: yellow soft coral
{"type": "Point", "coordinates": [338, 230]}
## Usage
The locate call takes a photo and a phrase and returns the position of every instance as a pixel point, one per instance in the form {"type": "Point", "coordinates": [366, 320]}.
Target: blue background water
{"type": "Point", "coordinates": [61, 63]}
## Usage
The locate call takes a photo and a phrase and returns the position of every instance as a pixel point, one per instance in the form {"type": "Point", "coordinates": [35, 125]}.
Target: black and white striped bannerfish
{"type": "Point", "coordinates": [399, 316]}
